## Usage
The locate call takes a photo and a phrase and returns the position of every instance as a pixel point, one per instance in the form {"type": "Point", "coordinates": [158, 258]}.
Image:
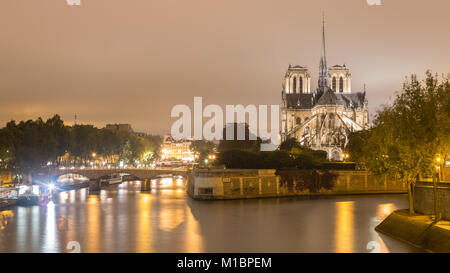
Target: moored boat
{"type": "Point", "coordinates": [32, 195]}
{"type": "Point", "coordinates": [113, 179]}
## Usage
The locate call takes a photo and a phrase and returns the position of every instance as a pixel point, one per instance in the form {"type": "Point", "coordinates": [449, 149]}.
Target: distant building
{"type": "Point", "coordinates": [116, 128]}
{"type": "Point", "coordinates": [176, 150]}
{"type": "Point", "coordinates": [322, 119]}
{"type": "Point", "coordinates": [139, 134]}
{"type": "Point", "coordinates": [250, 142]}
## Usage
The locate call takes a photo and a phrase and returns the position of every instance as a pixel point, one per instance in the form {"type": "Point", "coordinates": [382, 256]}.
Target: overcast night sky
{"type": "Point", "coordinates": [131, 61]}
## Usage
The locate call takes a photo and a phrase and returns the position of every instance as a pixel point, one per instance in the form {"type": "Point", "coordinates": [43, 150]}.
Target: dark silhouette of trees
{"type": "Point", "coordinates": [203, 148]}
{"type": "Point", "coordinates": [29, 146]}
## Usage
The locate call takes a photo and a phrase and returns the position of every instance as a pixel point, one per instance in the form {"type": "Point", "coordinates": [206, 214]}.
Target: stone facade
{"type": "Point", "coordinates": [424, 198]}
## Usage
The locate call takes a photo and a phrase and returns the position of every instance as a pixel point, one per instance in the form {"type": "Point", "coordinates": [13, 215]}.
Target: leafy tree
{"type": "Point", "coordinates": [30, 145]}
{"type": "Point", "coordinates": [355, 146]}
{"type": "Point", "coordinates": [203, 148]}
{"type": "Point", "coordinates": [126, 155]}
{"type": "Point", "coordinates": [289, 144]}
{"type": "Point", "coordinates": [108, 143]}
{"type": "Point", "coordinates": [407, 136]}
{"type": "Point", "coordinates": [152, 144]}
{"type": "Point", "coordinates": [84, 142]}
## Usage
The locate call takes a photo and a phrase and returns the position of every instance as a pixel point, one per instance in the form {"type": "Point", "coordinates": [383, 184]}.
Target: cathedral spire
{"type": "Point", "coordinates": [323, 68]}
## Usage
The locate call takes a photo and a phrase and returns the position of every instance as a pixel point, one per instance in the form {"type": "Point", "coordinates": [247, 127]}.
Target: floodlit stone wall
{"type": "Point", "coordinates": [241, 184]}
{"type": "Point", "coordinates": [424, 198]}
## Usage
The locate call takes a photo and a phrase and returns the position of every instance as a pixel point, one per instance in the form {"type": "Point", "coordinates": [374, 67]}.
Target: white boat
{"type": "Point", "coordinates": [113, 179]}
{"type": "Point", "coordinates": [31, 195]}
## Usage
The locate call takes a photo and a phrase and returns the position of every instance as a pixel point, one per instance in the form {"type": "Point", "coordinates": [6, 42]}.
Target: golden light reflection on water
{"type": "Point", "coordinates": [383, 211]}
{"type": "Point", "coordinates": [170, 219]}
{"type": "Point", "coordinates": [194, 239]}
{"type": "Point", "coordinates": [93, 224]}
{"type": "Point", "coordinates": [5, 217]}
{"type": "Point", "coordinates": [144, 227]}
{"type": "Point", "coordinates": [344, 235]}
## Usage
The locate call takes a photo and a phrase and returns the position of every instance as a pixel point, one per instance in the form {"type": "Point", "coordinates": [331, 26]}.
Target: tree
{"type": "Point", "coordinates": [355, 146]}
{"type": "Point", "coordinates": [126, 154]}
{"type": "Point", "coordinates": [152, 145]}
{"type": "Point", "coordinates": [30, 145]}
{"type": "Point", "coordinates": [289, 144]}
{"type": "Point", "coordinates": [84, 142]}
{"type": "Point", "coordinates": [203, 148]}
{"type": "Point", "coordinates": [108, 143]}
{"type": "Point", "coordinates": [407, 136]}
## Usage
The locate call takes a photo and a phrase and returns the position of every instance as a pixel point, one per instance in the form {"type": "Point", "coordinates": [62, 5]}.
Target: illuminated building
{"type": "Point", "coordinates": [176, 150]}
{"type": "Point", "coordinates": [323, 119]}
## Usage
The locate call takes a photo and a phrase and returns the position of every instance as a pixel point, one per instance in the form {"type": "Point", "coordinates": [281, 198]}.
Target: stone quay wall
{"type": "Point", "coordinates": [220, 184]}
{"type": "Point", "coordinates": [424, 198]}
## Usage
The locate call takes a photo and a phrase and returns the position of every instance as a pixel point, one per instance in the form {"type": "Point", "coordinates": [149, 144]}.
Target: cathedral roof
{"type": "Point", "coordinates": [305, 101]}
{"type": "Point", "coordinates": [352, 100]}
{"type": "Point", "coordinates": [299, 101]}
{"type": "Point", "coordinates": [328, 98]}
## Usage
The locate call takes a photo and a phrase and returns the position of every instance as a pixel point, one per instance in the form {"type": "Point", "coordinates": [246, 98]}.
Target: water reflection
{"type": "Point", "coordinates": [93, 224]}
{"type": "Point", "coordinates": [144, 230]}
{"type": "Point", "coordinates": [50, 232]}
{"type": "Point", "coordinates": [344, 227]}
{"type": "Point", "coordinates": [5, 217]}
{"type": "Point", "coordinates": [124, 219]}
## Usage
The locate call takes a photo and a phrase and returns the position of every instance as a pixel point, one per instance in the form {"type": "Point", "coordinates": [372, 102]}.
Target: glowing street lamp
{"type": "Point", "coordinates": [438, 167]}
{"type": "Point", "coordinates": [345, 156]}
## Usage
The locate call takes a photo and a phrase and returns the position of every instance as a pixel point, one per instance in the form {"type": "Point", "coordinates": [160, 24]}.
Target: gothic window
{"type": "Point", "coordinates": [331, 121]}
{"type": "Point", "coordinates": [298, 121]}
{"type": "Point", "coordinates": [334, 84]}
{"type": "Point", "coordinates": [294, 84]}
{"type": "Point", "coordinates": [300, 84]}
{"type": "Point", "coordinates": [341, 85]}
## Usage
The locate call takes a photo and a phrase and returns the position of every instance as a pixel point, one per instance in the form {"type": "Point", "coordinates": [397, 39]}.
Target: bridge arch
{"type": "Point", "coordinates": [138, 174]}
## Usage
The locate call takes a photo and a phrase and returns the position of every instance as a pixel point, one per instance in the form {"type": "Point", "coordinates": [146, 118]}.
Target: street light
{"type": "Point", "coordinates": [345, 156]}
{"type": "Point", "coordinates": [439, 163]}
{"type": "Point", "coordinates": [435, 185]}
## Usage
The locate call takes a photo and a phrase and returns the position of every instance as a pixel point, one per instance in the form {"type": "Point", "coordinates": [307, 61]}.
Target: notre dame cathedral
{"type": "Point", "coordinates": [323, 119]}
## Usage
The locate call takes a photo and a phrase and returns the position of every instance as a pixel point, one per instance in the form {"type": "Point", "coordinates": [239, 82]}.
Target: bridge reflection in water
{"type": "Point", "coordinates": [124, 219]}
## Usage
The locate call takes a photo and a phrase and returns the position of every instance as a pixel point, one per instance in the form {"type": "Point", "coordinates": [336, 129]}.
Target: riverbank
{"type": "Point", "coordinates": [417, 230]}
{"type": "Point", "coordinates": [227, 184]}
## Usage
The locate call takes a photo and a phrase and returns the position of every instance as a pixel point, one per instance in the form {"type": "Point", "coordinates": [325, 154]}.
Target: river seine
{"type": "Point", "coordinates": [122, 219]}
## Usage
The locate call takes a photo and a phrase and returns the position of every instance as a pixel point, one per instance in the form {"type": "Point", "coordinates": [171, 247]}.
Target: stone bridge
{"type": "Point", "coordinates": [139, 174]}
